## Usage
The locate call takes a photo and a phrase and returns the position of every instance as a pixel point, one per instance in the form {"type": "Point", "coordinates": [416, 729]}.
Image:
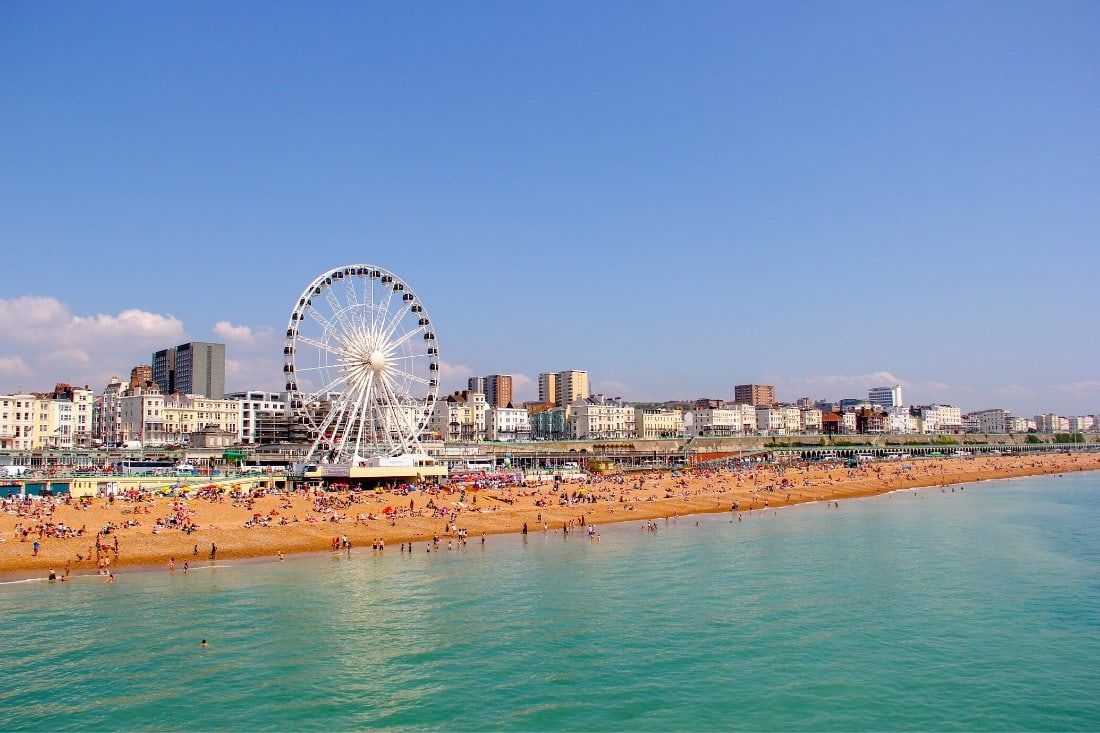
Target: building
{"type": "Point", "coordinates": [1014, 424]}
{"type": "Point", "coordinates": [1081, 423]}
{"type": "Point", "coordinates": [940, 418]}
{"type": "Point", "coordinates": [704, 422]}
{"type": "Point", "coordinates": [185, 415]}
{"type": "Point", "coordinates": [460, 416]}
{"type": "Point", "coordinates": [107, 413]}
{"type": "Point", "coordinates": [497, 389]}
{"type": "Point", "coordinates": [902, 421]}
{"type": "Point", "coordinates": [17, 417]}
{"type": "Point", "coordinates": [548, 388]}
{"type": "Point", "coordinates": [141, 416]}
{"type": "Point", "coordinates": [141, 376]}
{"type": "Point", "coordinates": [991, 421]}
{"type": "Point", "coordinates": [598, 418]}
{"type": "Point", "coordinates": [508, 423]}
{"type": "Point", "coordinates": [197, 367]}
{"type": "Point", "coordinates": [769, 421]}
{"type": "Point", "coordinates": [650, 423]}
{"type": "Point", "coordinates": [1051, 423]}
{"type": "Point", "coordinates": [548, 422]}
{"type": "Point", "coordinates": [885, 396]}
{"type": "Point", "coordinates": [754, 394]}
{"type": "Point", "coordinates": [64, 418]}
{"type": "Point", "coordinates": [810, 419]}
{"type": "Point", "coordinates": [261, 417]}
{"type": "Point", "coordinates": [572, 386]}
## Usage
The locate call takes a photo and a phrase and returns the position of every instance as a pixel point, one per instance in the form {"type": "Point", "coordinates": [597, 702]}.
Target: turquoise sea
{"type": "Point", "coordinates": [972, 609]}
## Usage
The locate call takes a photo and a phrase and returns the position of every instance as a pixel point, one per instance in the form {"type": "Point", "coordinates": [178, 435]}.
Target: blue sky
{"type": "Point", "coordinates": [677, 197]}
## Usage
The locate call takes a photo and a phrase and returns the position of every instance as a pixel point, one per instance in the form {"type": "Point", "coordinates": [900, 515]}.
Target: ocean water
{"type": "Point", "coordinates": [973, 609]}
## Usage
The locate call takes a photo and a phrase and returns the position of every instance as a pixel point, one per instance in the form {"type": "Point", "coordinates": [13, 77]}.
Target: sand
{"type": "Point", "coordinates": [631, 497]}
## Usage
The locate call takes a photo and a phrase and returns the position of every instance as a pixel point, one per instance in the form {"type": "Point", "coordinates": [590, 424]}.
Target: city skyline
{"type": "Point", "coordinates": [823, 200]}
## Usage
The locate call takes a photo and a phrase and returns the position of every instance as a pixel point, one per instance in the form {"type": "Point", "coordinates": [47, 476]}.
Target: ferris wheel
{"type": "Point", "coordinates": [361, 365]}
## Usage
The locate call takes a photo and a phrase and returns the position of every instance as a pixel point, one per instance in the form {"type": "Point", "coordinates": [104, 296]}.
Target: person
{"type": "Point", "coordinates": [203, 643]}
{"type": "Point", "coordinates": [213, 551]}
{"type": "Point", "coordinates": [53, 575]}
{"type": "Point", "coordinates": [525, 528]}
{"type": "Point", "coordinates": [172, 565]}
{"type": "Point", "coordinates": [110, 577]}
{"type": "Point", "coordinates": [35, 547]}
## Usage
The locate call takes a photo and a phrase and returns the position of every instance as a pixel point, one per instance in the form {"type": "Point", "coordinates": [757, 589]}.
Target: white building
{"type": "Point", "coordinates": [991, 421]}
{"type": "Point", "coordinates": [255, 411]}
{"type": "Point", "coordinates": [885, 396]}
{"type": "Point", "coordinates": [769, 421]}
{"type": "Point", "coordinates": [1016, 424]}
{"type": "Point", "coordinates": [810, 419]}
{"type": "Point", "coordinates": [1051, 423]}
{"type": "Point", "coordinates": [508, 423]}
{"type": "Point", "coordinates": [461, 416]}
{"type": "Point", "coordinates": [713, 421]}
{"type": "Point", "coordinates": [899, 420]}
{"type": "Point", "coordinates": [141, 417]}
{"type": "Point", "coordinates": [599, 417]}
{"type": "Point", "coordinates": [1082, 423]}
{"type": "Point", "coordinates": [107, 412]}
{"type": "Point", "coordinates": [940, 418]}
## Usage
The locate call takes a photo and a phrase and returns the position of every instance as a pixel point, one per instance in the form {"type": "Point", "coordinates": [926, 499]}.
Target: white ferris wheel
{"type": "Point", "coordinates": [361, 365]}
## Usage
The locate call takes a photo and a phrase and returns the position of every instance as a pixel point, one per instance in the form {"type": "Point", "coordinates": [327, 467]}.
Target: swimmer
{"type": "Point", "coordinates": [203, 643]}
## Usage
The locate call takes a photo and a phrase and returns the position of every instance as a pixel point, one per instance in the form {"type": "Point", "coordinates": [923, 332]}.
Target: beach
{"type": "Point", "coordinates": [146, 532]}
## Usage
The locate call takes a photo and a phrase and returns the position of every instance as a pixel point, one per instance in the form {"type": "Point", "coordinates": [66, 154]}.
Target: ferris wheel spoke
{"type": "Point", "coordinates": [355, 403]}
{"type": "Point", "coordinates": [365, 413]}
{"type": "Point", "coordinates": [325, 323]}
{"type": "Point", "coordinates": [352, 294]}
{"type": "Point", "coordinates": [404, 339]}
{"type": "Point", "coordinates": [322, 346]}
{"type": "Point", "coordinates": [408, 376]}
{"type": "Point", "coordinates": [383, 311]}
{"type": "Point", "coordinates": [391, 326]}
{"type": "Point", "coordinates": [397, 409]}
{"type": "Point", "coordinates": [338, 311]}
{"type": "Point", "coordinates": [328, 387]}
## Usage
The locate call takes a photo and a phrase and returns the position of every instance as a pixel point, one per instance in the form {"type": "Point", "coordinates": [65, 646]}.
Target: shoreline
{"type": "Point", "coordinates": [503, 510]}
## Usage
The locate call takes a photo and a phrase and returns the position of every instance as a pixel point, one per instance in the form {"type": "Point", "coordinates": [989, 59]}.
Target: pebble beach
{"type": "Point", "coordinates": [163, 532]}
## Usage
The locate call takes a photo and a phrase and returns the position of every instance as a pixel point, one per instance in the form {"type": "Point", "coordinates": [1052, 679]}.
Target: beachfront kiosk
{"type": "Point", "coordinates": [362, 373]}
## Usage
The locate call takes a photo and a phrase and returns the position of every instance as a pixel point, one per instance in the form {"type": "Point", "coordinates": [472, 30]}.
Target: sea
{"type": "Point", "coordinates": [975, 607]}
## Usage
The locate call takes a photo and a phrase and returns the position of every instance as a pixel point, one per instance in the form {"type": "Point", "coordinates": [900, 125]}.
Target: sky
{"type": "Point", "coordinates": [675, 196]}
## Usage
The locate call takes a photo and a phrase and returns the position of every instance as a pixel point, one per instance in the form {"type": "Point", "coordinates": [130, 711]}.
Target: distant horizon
{"type": "Point", "coordinates": [674, 197]}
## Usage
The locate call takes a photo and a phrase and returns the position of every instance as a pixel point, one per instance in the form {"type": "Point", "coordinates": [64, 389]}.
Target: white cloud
{"type": "Point", "coordinates": [524, 389]}
{"type": "Point", "coordinates": [1083, 388]}
{"type": "Point", "coordinates": [453, 377]}
{"type": "Point", "coordinates": [611, 388]}
{"type": "Point", "coordinates": [55, 345]}
{"type": "Point", "coordinates": [229, 333]}
{"type": "Point", "coordinates": [1013, 391]}
{"type": "Point", "coordinates": [832, 386]}
{"type": "Point", "coordinates": [13, 368]}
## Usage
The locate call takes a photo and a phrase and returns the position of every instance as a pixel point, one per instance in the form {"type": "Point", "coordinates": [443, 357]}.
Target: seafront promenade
{"type": "Point", "coordinates": [151, 529]}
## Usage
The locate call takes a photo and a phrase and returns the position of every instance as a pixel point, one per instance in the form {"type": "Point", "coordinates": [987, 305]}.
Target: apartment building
{"type": "Point", "coordinates": [658, 423]}
{"type": "Point", "coordinates": [758, 395]}
{"type": "Point", "coordinates": [598, 418]}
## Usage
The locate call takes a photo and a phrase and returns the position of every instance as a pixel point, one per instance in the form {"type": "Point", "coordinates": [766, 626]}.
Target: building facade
{"type": "Point", "coordinates": [658, 423]}
{"type": "Point", "coordinates": [885, 396]}
{"type": "Point", "coordinates": [757, 395]}
{"type": "Point", "coordinates": [197, 367]}
{"type": "Point", "coordinates": [598, 418]}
